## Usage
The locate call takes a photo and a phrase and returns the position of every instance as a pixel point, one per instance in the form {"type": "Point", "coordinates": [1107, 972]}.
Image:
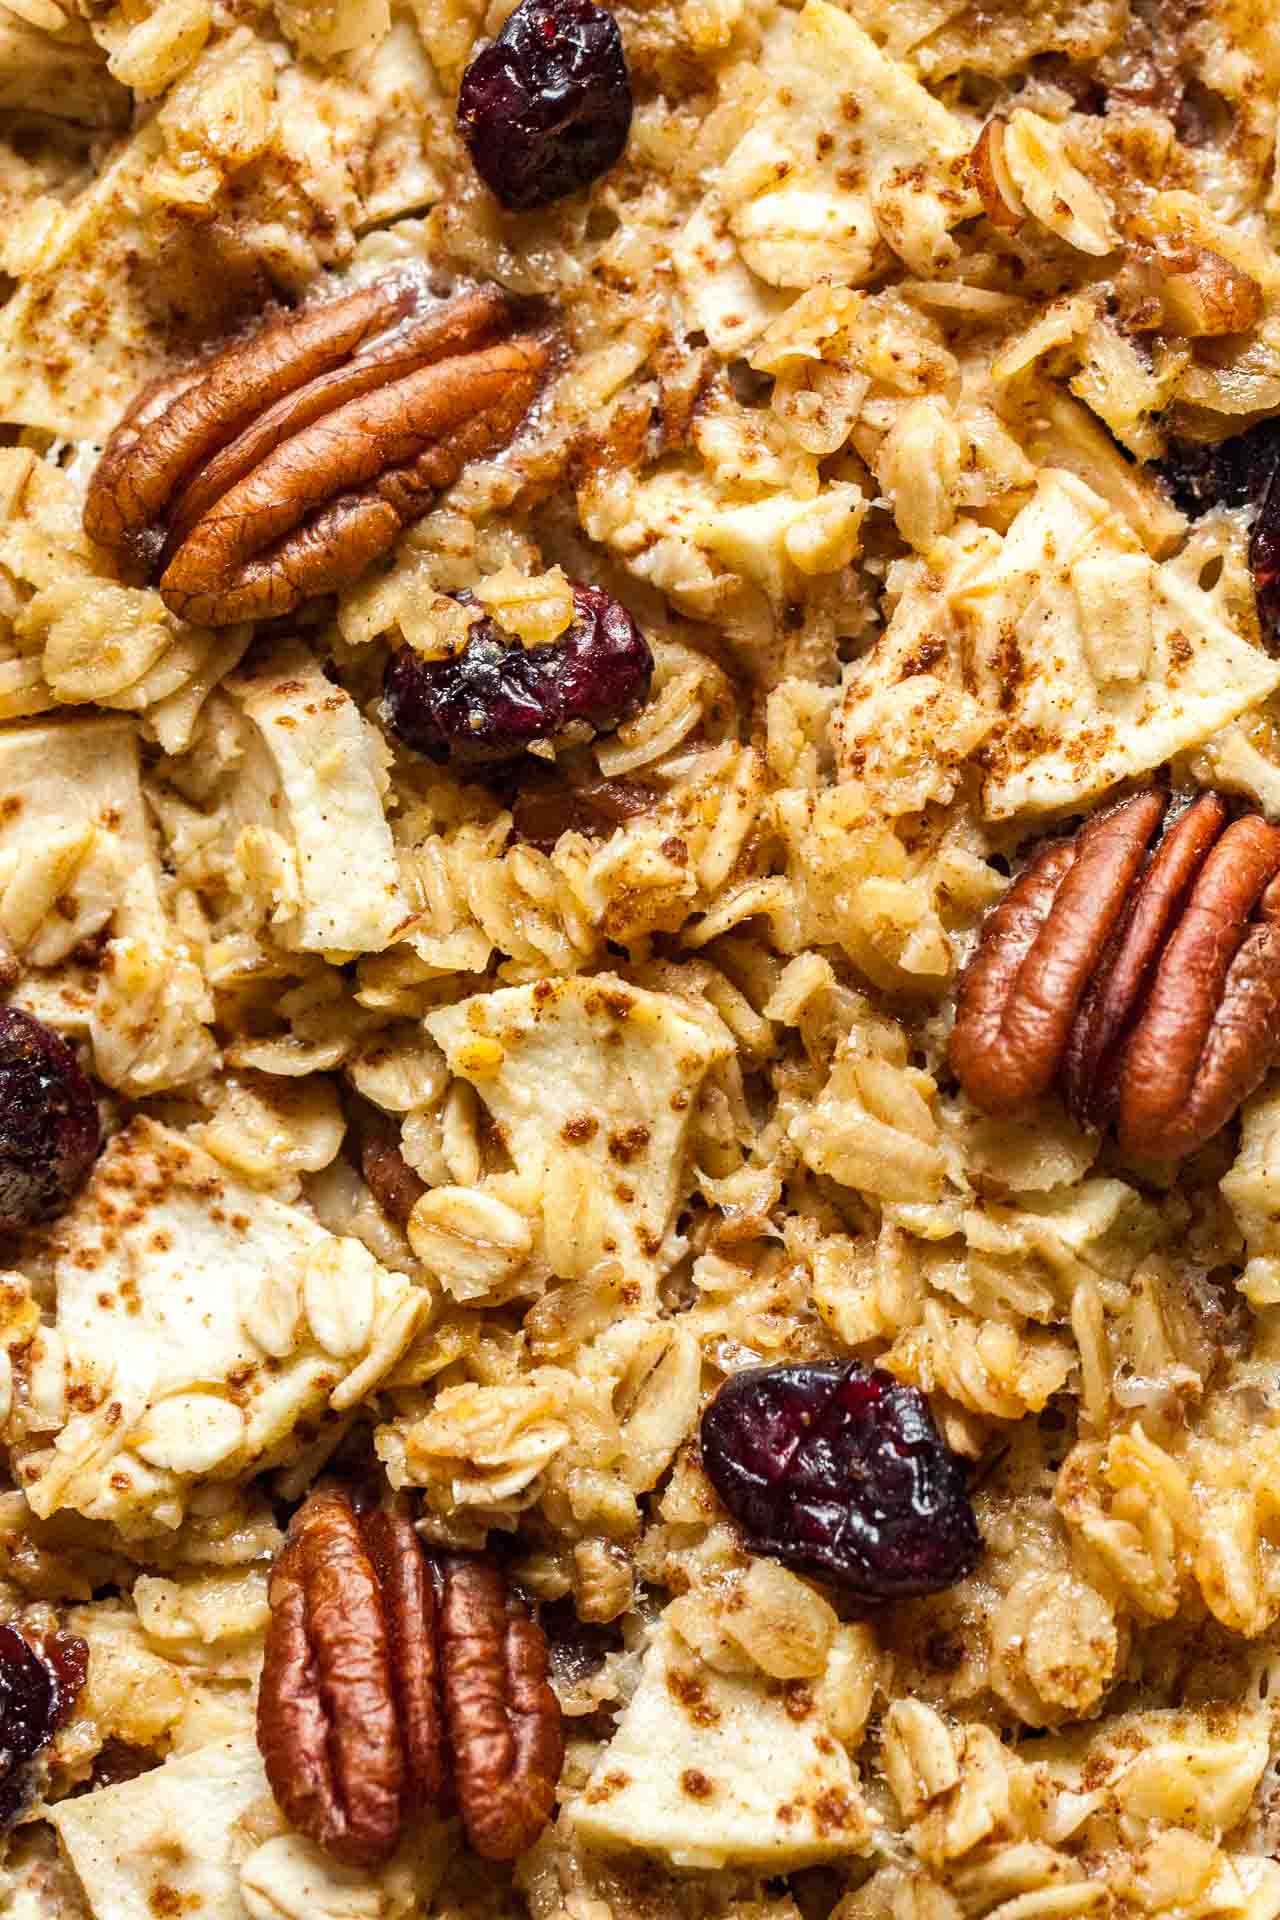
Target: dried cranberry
{"type": "Point", "coordinates": [1241, 472]}
{"type": "Point", "coordinates": [842, 1472]}
{"type": "Point", "coordinates": [1230, 473]}
{"type": "Point", "coordinates": [546, 107]}
{"type": "Point", "coordinates": [487, 703]}
{"type": "Point", "coordinates": [545, 807]}
{"type": "Point", "coordinates": [37, 1691]}
{"type": "Point", "coordinates": [49, 1133]}
{"type": "Point", "coordinates": [576, 1648]}
{"type": "Point", "coordinates": [28, 1699]}
{"type": "Point", "coordinates": [1264, 555]}
{"type": "Point", "coordinates": [387, 1174]}
{"type": "Point", "coordinates": [120, 1761]}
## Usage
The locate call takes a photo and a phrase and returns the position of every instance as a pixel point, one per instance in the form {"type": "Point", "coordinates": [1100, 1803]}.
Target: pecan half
{"type": "Point", "coordinates": [334, 1712]}
{"type": "Point", "coordinates": [1211, 1025]}
{"type": "Point", "coordinates": [1106, 1011]}
{"type": "Point", "coordinates": [1147, 983]}
{"type": "Point", "coordinates": [1019, 993]}
{"type": "Point", "coordinates": [504, 1726]}
{"type": "Point", "coordinates": [284, 466]}
{"type": "Point", "coordinates": [395, 1682]}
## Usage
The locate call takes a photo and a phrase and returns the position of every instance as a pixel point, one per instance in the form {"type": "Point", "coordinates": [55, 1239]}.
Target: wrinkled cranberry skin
{"type": "Point", "coordinates": [28, 1698]}
{"type": "Point", "coordinates": [546, 107]}
{"type": "Point", "coordinates": [840, 1471]}
{"type": "Point", "coordinates": [49, 1134]}
{"type": "Point", "coordinates": [546, 807]}
{"type": "Point", "coordinates": [487, 703]}
{"type": "Point", "coordinates": [1240, 472]}
{"type": "Point", "coordinates": [37, 1693]}
{"type": "Point", "coordinates": [1232, 473]}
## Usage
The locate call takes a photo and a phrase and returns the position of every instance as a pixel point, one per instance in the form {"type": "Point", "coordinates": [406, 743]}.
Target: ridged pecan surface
{"type": "Point", "coordinates": [504, 1724]}
{"type": "Point", "coordinates": [283, 467]}
{"type": "Point", "coordinates": [398, 1683]}
{"type": "Point", "coordinates": [1142, 975]}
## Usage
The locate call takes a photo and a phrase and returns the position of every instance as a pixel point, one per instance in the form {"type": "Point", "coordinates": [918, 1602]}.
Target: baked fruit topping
{"type": "Point", "coordinates": [49, 1132]}
{"type": "Point", "coordinates": [840, 1471]}
{"type": "Point", "coordinates": [1138, 969]}
{"type": "Point", "coordinates": [398, 1683]}
{"type": "Point", "coordinates": [285, 466]}
{"type": "Point", "coordinates": [546, 107]}
{"type": "Point", "coordinates": [493, 699]}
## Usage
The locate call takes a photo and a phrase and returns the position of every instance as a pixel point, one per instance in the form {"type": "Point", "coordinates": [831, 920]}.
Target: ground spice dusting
{"type": "Point", "coordinates": [639, 884]}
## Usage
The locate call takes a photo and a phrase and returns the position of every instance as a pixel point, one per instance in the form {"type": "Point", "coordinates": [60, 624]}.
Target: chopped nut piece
{"type": "Point", "coordinates": [1211, 1024]}
{"type": "Point", "coordinates": [1191, 290]}
{"type": "Point", "coordinates": [282, 468]}
{"type": "Point", "coordinates": [1051, 187]}
{"type": "Point", "coordinates": [1204, 294]}
{"type": "Point", "coordinates": [1001, 201]}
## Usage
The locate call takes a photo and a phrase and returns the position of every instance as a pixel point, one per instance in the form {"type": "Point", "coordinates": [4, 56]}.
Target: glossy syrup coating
{"type": "Point", "coordinates": [840, 1471]}
{"type": "Point", "coordinates": [546, 107]}
{"type": "Point", "coordinates": [49, 1132]}
{"type": "Point", "coordinates": [489, 702]}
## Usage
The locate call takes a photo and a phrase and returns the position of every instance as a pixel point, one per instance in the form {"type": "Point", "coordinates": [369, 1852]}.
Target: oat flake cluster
{"type": "Point", "coordinates": [640, 957]}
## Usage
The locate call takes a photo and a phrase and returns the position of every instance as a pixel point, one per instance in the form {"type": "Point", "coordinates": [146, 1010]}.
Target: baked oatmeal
{"type": "Point", "coordinates": [639, 960]}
